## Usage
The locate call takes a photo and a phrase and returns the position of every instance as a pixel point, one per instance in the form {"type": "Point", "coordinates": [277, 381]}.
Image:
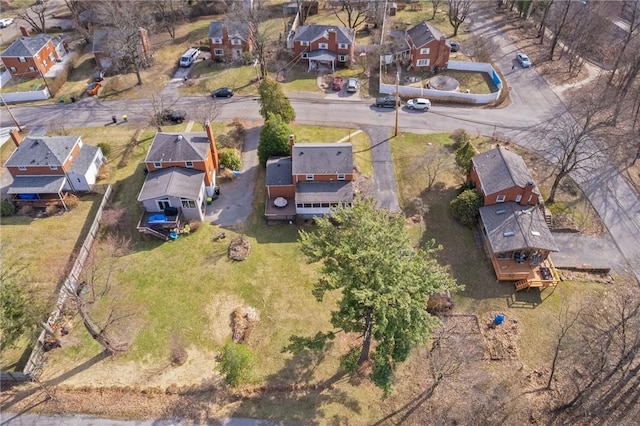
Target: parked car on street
{"type": "Point", "coordinates": [386, 102]}
{"type": "Point", "coordinates": [173, 116]}
{"type": "Point", "coordinates": [336, 84]}
{"type": "Point", "coordinates": [421, 104]}
{"type": "Point", "coordinates": [5, 22]}
{"type": "Point", "coordinates": [352, 85]}
{"type": "Point", "coordinates": [523, 60]}
{"type": "Point", "coordinates": [455, 46]}
{"type": "Point", "coordinates": [223, 92]}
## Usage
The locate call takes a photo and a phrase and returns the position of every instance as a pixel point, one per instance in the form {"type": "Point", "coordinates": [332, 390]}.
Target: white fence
{"type": "Point", "coordinates": [35, 95]}
{"type": "Point", "coordinates": [36, 360]}
{"type": "Point", "coordinates": [4, 78]}
{"type": "Point", "coordinates": [471, 98]}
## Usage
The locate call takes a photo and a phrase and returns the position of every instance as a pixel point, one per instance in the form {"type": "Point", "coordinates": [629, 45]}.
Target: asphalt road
{"type": "Point", "coordinates": [533, 104]}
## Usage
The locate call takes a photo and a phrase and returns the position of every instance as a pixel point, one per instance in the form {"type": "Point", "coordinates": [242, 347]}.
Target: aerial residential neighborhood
{"type": "Point", "coordinates": [320, 212]}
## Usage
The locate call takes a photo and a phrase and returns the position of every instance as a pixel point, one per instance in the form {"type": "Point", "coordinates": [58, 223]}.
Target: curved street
{"type": "Point", "coordinates": [533, 103]}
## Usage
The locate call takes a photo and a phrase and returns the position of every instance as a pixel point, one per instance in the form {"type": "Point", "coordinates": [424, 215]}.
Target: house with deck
{"type": "Point", "coordinates": [307, 184]}
{"type": "Point", "coordinates": [515, 229]}
{"type": "Point", "coordinates": [180, 180]}
{"type": "Point", "coordinates": [230, 40]}
{"type": "Point", "coordinates": [47, 169]}
{"type": "Point", "coordinates": [324, 45]}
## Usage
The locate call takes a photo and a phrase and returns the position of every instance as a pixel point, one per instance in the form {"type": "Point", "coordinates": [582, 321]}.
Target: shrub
{"type": "Point", "coordinates": [72, 202]}
{"type": "Point", "coordinates": [194, 225]}
{"type": "Point", "coordinates": [26, 210]}
{"type": "Point", "coordinates": [230, 158]}
{"type": "Point", "coordinates": [274, 138]}
{"type": "Point", "coordinates": [236, 363]}
{"type": "Point", "coordinates": [464, 154]}
{"type": "Point", "coordinates": [466, 207]}
{"type": "Point", "coordinates": [7, 208]}
{"type": "Point", "coordinates": [105, 147]}
{"type": "Point", "coordinates": [52, 210]}
{"type": "Point", "coordinates": [459, 136]}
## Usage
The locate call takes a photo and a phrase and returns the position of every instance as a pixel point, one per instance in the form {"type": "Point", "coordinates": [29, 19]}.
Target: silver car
{"type": "Point", "coordinates": [421, 104]}
{"type": "Point", "coordinates": [352, 85]}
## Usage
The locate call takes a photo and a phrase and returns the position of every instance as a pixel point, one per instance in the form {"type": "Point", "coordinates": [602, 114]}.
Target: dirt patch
{"type": "Point", "coordinates": [501, 340]}
{"type": "Point", "coordinates": [220, 311]}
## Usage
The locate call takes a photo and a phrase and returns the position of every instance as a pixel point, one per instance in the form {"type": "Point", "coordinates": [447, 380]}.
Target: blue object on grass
{"type": "Point", "coordinates": [173, 235]}
{"type": "Point", "coordinates": [158, 218]}
{"type": "Point", "coordinates": [499, 319]}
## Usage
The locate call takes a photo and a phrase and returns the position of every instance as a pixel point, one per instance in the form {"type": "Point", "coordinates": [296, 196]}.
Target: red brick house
{"type": "Point", "coordinates": [316, 177]}
{"type": "Point", "coordinates": [31, 56]}
{"type": "Point", "coordinates": [326, 45]}
{"type": "Point", "coordinates": [501, 176]}
{"type": "Point", "coordinates": [515, 231]}
{"type": "Point", "coordinates": [45, 169]}
{"type": "Point", "coordinates": [428, 48]}
{"type": "Point", "coordinates": [181, 176]}
{"type": "Point", "coordinates": [230, 40]}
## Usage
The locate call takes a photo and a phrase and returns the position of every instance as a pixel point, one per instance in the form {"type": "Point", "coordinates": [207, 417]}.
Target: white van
{"type": "Point", "coordinates": [189, 56]}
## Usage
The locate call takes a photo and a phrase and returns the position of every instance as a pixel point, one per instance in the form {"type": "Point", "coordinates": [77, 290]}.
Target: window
{"type": "Point", "coordinates": [316, 205]}
{"type": "Point", "coordinates": [305, 55]}
{"type": "Point", "coordinates": [324, 205]}
{"type": "Point", "coordinates": [216, 40]}
{"type": "Point", "coordinates": [52, 57]}
{"type": "Point", "coordinates": [157, 165]}
{"type": "Point", "coordinates": [22, 59]}
{"type": "Point", "coordinates": [425, 51]}
{"type": "Point", "coordinates": [309, 177]}
{"type": "Point", "coordinates": [12, 69]}
{"type": "Point", "coordinates": [304, 43]}
{"type": "Point", "coordinates": [218, 52]}
{"type": "Point", "coordinates": [236, 41]}
{"type": "Point", "coordinates": [163, 203]}
{"type": "Point", "coordinates": [323, 45]}
{"type": "Point", "coordinates": [343, 46]}
{"type": "Point", "coordinates": [188, 204]}
{"type": "Point", "coordinates": [23, 168]}
{"type": "Point", "coordinates": [299, 205]}
{"type": "Point", "coordinates": [32, 69]}
{"type": "Point", "coordinates": [423, 63]}
{"type": "Point", "coordinates": [501, 198]}
{"type": "Point", "coordinates": [518, 198]}
{"type": "Point", "coordinates": [306, 205]}
{"type": "Point", "coordinates": [53, 167]}
{"type": "Point", "coordinates": [340, 176]}
{"type": "Point", "coordinates": [342, 58]}
{"type": "Point", "coordinates": [188, 164]}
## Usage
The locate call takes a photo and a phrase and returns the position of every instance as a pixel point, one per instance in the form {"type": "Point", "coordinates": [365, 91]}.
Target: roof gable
{"type": "Point", "coordinates": [172, 182]}
{"type": "Point", "coordinates": [169, 147]}
{"type": "Point", "coordinates": [322, 158]}
{"type": "Point", "coordinates": [499, 169]}
{"type": "Point", "coordinates": [43, 151]}
{"type": "Point", "coordinates": [235, 29]}
{"type": "Point", "coordinates": [27, 46]}
{"type": "Point", "coordinates": [314, 32]}
{"type": "Point", "coordinates": [423, 34]}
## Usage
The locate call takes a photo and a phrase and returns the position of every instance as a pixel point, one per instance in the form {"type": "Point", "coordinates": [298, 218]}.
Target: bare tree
{"type": "Point", "coordinates": [76, 7]}
{"type": "Point", "coordinates": [435, 4]}
{"type": "Point", "coordinates": [566, 321]}
{"type": "Point", "coordinates": [458, 12]}
{"type": "Point", "coordinates": [546, 6]}
{"type": "Point", "coordinates": [35, 15]}
{"type": "Point", "coordinates": [104, 322]}
{"type": "Point", "coordinates": [356, 11]}
{"type": "Point", "coordinates": [632, 33]}
{"type": "Point", "coordinates": [433, 163]}
{"type": "Point", "coordinates": [559, 13]}
{"type": "Point", "coordinates": [169, 14]}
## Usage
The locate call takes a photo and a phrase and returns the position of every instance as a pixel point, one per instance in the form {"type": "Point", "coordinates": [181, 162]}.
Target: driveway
{"type": "Point", "coordinates": [383, 185]}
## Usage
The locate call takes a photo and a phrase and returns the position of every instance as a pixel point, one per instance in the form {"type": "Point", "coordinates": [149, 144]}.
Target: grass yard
{"type": "Point", "coordinates": [240, 79]}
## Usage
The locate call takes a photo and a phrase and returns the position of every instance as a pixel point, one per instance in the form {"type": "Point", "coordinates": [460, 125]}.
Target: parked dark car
{"type": "Point", "coordinates": [336, 84]}
{"type": "Point", "coordinates": [173, 116]}
{"type": "Point", "coordinates": [223, 92]}
{"type": "Point", "coordinates": [455, 46]}
{"type": "Point", "coordinates": [386, 102]}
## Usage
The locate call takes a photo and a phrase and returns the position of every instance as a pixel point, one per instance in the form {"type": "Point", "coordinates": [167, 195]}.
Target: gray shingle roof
{"type": "Point", "coordinates": [499, 169]}
{"type": "Point", "coordinates": [279, 171]}
{"type": "Point", "coordinates": [511, 227]}
{"type": "Point", "coordinates": [324, 192]}
{"type": "Point", "coordinates": [313, 32]}
{"type": "Point", "coordinates": [86, 157]}
{"type": "Point", "coordinates": [27, 46]}
{"type": "Point", "coordinates": [174, 181]}
{"type": "Point", "coordinates": [37, 184]}
{"type": "Point", "coordinates": [322, 158]}
{"type": "Point", "coordinates": [322, 55]}
{"type": "Point", "coordinates": [100, 38]}
{"type": "Point", "coordinates": [422, 34]}
{"type": "Point", "coordinates": [178, 147]}
{"type": "Point", "coordinates": [234, 29]}
{"type": "Point", "coordinates": [43, 151]}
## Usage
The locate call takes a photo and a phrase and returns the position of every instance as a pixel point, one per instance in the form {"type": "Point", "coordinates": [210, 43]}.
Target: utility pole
{"type": "Point", "coordinates": [15, 121]}
{"type": "Point", "coordinates": [397, 96]}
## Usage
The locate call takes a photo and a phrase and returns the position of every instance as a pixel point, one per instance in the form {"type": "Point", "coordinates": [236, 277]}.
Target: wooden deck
{"type": "Point", "coordinates": [525, 274]}
{"type": "Point", "coordinates": [44, 200]}
{"type": "Point", "coordinates": [286, 213]}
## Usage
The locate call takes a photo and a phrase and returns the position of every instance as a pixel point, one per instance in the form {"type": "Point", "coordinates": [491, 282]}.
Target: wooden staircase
{"type": "Point", "coordinates": [522, 284]}
{"type": "Point", "coordinates": [157, 234]}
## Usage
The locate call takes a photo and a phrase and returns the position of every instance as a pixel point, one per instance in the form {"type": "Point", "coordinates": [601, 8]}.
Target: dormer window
{"type": "Point", "coordinates": [309, 177]}
{"type": "Point", "coordinates": [340, 176]}
{"type": "Point", "coordinates": [157, 165]}
{"type": "Point", "coordinates": [188, 164]}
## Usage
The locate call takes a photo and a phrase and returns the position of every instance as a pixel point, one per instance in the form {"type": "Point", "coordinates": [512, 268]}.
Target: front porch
{"type": "Point", "coordinates": [526, 274]}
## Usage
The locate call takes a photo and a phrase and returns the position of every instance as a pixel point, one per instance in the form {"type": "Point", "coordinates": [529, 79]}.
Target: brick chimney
{"type": "Point", "coordinates": [292, 142]}
{"type": "Point", "coordinates": [17, 138]}
{"type": "Point", "coordinates": [25, 31]}
{"type": "Point", "coordinates": [212, 146]}
{"type": "Point", "coordinates": [333, 39]}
